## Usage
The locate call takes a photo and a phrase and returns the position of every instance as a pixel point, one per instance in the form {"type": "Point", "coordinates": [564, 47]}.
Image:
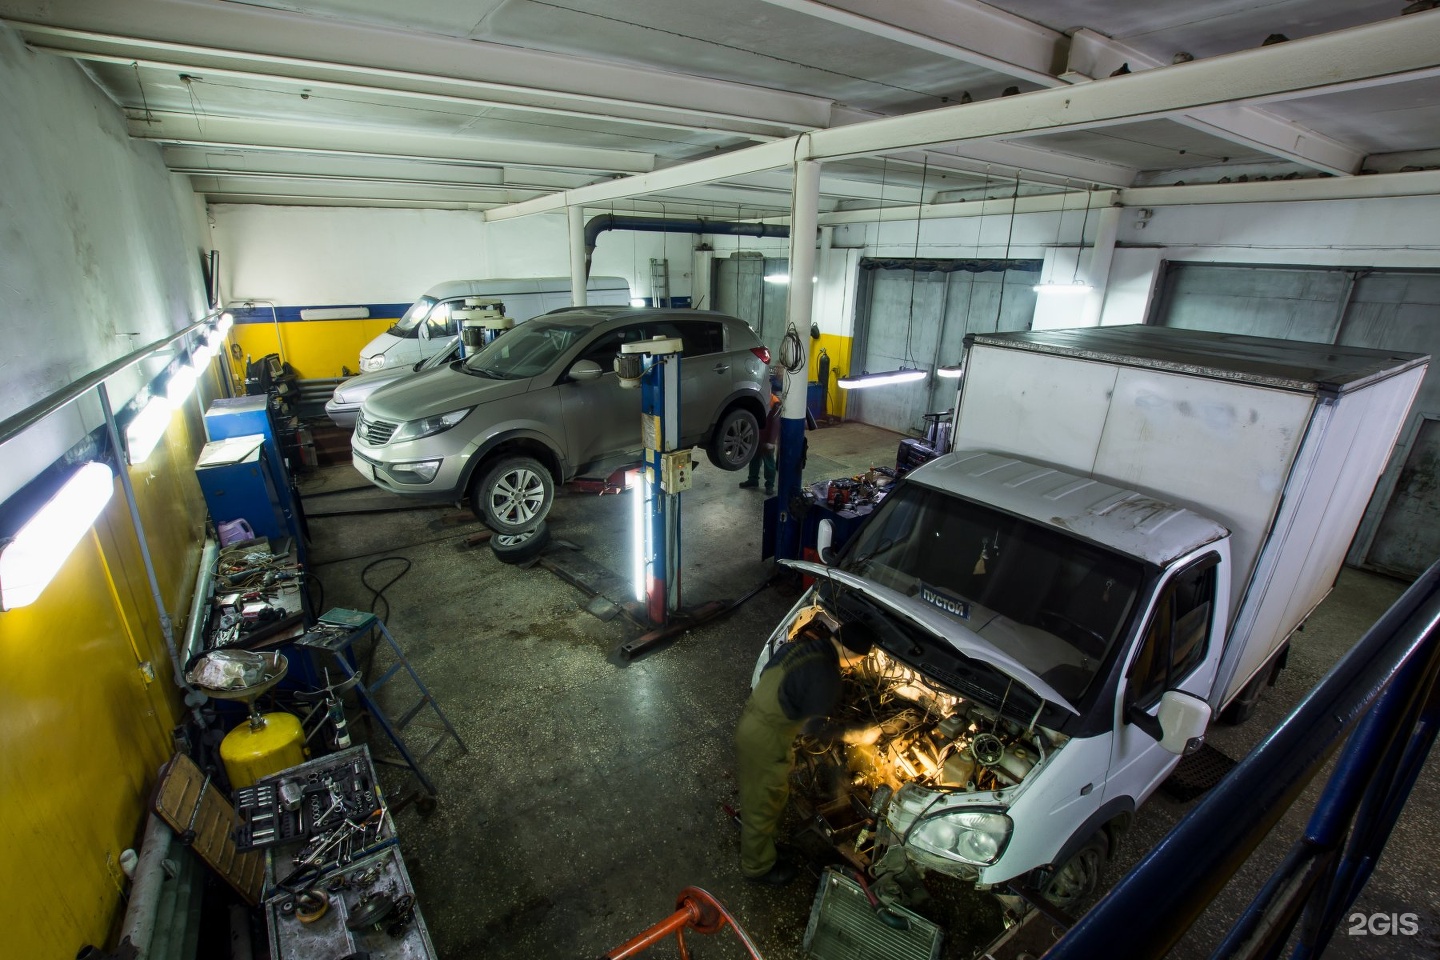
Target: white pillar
{"type": "Point", "coordinates": [1097, 271]}
{"type": "Point", "coordinates": [577, 255]}
{"type": "Point", "coordinates": [803, 224]}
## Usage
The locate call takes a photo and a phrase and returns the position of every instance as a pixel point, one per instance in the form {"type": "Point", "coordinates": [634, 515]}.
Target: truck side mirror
{"type": "Point", "coordinates": [824, 537]}
{"type": "Point", "coordinates": [1183, 718]}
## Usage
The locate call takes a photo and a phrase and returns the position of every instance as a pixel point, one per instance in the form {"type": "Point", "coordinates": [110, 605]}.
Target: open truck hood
{"type": "Point", "coordinates": [962, 638]}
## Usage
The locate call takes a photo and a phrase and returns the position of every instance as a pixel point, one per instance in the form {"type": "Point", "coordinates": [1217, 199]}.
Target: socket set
{"type": "Point", "coordinates": [310, 801]}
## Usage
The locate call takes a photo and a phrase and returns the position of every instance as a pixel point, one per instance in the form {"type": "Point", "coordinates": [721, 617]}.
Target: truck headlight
{"type": "Point", "coordinates": [970, 836]}
{"type": "Point", "coordinates": [428, 426]}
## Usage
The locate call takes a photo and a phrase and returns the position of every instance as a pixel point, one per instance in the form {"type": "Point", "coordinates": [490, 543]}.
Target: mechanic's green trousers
{"type": "Point", "coordinates": [765, 745]}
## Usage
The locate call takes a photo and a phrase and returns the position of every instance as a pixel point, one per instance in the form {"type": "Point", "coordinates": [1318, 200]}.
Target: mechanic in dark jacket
{"type": "Point", "coordinates": [800, 683]}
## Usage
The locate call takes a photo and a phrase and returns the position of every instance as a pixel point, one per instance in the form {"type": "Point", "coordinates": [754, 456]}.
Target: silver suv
{"type": "Point", "coordinates": [542, 405]}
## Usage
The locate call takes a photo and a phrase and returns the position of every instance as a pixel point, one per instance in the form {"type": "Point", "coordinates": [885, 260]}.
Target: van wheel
{"type": "Point", "coordinates": [1242, 708]}
{"type": "Point", "coordinates": [513, 495]}
{"type": "Point", "coordinates": [1078, 877]}
{"type": "Point", "coordinates": [520, 547]}
{"type": "Point", "coordinates": [736, 440]}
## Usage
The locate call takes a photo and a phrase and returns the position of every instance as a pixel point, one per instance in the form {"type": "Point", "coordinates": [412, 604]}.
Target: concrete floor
{"type": "Point", "coordinates": [592, 791]}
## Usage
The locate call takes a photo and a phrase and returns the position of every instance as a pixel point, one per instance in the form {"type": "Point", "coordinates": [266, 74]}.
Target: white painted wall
{"type": "Point", "coordinates": [99, 248]}
{"type": "Point", "coordinates": [296, 256]}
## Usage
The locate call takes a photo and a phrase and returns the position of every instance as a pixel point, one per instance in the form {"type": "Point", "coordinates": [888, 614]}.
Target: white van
{"type": "Point", "coordinates": [428, 325]}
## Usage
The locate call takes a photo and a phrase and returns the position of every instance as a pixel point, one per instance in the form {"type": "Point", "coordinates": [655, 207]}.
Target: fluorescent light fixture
{"type": "Point", "coordinates": [146, 429]}
{"type": "Point", "coordinates": [1079, 286]}
{"type": "Point", "coordinates": [182, 381]}
{"type": "Point", "coordinates": [30, 561]}
{"type": "Point", "coordinates": [778, 278]}
{"type": "Point", "coordinates": [879, 379]}
{"type": "Point", "coordinates": [638, 533]}
{"type": "Point", "coordinates": [951, 371]}
{"type": "Point", "coordinates": [226, 321]}
{"type": "Point", "coordinates": [637, 301]}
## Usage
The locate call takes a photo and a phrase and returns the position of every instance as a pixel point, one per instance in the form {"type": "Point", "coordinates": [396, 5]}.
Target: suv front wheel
{"type": "Point", "coordinates": [513, 495]}
{"type": "Point", "coordinates": [736, 440]}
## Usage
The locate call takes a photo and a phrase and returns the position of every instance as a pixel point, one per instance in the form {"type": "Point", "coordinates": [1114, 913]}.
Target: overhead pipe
{"type": "Point", "coordinates": [611, 221]}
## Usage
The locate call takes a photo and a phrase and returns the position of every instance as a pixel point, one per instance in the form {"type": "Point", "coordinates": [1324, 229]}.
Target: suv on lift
{"type": "Point", "coordinates": [542, 405]}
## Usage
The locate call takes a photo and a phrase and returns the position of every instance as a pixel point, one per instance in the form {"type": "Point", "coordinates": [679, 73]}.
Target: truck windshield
{"type": "Point", "coordinates": [526, 351]}
{"type": "Point", "coordinates": [1053, 602]}
{"type": "Point", "coordinates": [408, 324]}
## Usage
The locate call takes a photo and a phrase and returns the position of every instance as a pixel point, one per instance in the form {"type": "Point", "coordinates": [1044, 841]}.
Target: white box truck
{"type": "Point", "coordinates": [1130, 526]}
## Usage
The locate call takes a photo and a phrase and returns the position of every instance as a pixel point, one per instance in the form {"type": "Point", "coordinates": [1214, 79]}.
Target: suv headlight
{"type": "Point", "coordinates": [428, 426]}
{"type": "Point", "coordinates": [970, 836]}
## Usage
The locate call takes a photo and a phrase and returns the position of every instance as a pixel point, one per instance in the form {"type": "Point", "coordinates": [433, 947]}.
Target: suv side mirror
{"type": "Point", "coordinates": [824, 537]}
{"type": "Point", "coordinates": [586, 370]}
{"type": "Point", "coordinates": [1179, 724]}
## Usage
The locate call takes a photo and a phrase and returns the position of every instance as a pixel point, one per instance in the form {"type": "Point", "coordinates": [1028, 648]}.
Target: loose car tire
{"type": "Point", "coordinates": [513, 495]}
{"type": "Point", "coordinates": [736, 440]}
{"type": "Point", "coordinates": [520, 547]}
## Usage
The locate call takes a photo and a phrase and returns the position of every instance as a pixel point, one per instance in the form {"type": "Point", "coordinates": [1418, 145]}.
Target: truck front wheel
{"type": "Point", "coordinates": [1075, 879]}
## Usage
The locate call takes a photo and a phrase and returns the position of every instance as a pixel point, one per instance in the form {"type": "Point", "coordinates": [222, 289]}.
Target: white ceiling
{"type": "Point", "coordinates": [476, 104]}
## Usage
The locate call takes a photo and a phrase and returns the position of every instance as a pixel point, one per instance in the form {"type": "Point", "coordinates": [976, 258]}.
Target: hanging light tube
{"type": "Point", "coordinates": [182, 382]}
{"type": "Point", "coordinates": [950, 371]}
{"type": "Point", "coordinates": [1079, 286]}
{"type": "Point", "coordinates": [146, 429]}
{"type": "Point", "coordinates": [226, 321]}
{"type": "Point", "coordinates": [865, 380]}
{"type": "Point", "coordinates": [30, 561]}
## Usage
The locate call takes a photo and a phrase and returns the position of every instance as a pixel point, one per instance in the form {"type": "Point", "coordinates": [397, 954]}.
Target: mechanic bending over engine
{"type": "Point", "coordinates": [797, 689]}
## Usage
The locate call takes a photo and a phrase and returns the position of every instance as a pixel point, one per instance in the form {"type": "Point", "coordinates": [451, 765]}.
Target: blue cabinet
{"type": "Point", "coordinates": [237, 481]}
{"type": "Point", "coordinates": [250, 416]}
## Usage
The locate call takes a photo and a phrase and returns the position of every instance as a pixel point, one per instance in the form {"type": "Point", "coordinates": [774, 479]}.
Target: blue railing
{"type": "Point", "coordinates": [1383, 696]}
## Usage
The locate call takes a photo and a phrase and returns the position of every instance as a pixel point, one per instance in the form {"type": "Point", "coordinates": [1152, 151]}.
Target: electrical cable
{"type": "Point", "coordinates": [379, 592]}
{"type": "Point", "coordinates": [1005, 264]}
{"type": "Point", "coordinates": [914, 259]}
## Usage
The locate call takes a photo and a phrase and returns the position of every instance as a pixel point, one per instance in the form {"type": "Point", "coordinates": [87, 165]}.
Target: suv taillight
{"type": "Point", "coordinates": [763, 353]}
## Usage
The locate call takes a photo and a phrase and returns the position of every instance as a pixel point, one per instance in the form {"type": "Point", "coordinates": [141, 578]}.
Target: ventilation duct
{"type": "Point", "coordinates": [610, 221]}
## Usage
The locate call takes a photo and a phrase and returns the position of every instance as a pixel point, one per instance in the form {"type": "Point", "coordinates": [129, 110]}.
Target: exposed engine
{"type": "Point", "coordinates": [898, 729]}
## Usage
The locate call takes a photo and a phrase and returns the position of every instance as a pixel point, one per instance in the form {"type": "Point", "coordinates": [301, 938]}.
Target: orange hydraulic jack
{"type": "Point", "coordinates": [693, 909]}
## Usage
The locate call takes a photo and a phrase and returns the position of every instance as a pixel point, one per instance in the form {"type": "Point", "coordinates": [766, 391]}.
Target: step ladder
{"type": "Point", "coordinates": [335, 633]}
{"type": "Point", "coordinates": [660, 282]}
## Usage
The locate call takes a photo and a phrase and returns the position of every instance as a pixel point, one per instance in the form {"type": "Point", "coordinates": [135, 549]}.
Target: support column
{"type": "Point", "coordinates": [577, 255]}
{"type": "Point", "coordinates": [1097, 271]}
{"type": "Point", "coordinates": [804, 215]}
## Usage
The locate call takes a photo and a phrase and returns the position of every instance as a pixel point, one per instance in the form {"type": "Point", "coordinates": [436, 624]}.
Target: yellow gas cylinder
{"type": "Point", "coordinates": [265, 744]}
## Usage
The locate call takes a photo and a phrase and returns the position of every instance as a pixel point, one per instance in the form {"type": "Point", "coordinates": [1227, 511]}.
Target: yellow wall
{"type": "Point", "coordinates": [838, 349]}
{"type": "Point", "coordinates": [82, 731]}
{"type": "Point", "coordinates": [316, 349]}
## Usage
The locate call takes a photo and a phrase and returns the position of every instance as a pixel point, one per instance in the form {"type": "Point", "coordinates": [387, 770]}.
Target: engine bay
{"type": "Point", "coordinates": [893, 729]}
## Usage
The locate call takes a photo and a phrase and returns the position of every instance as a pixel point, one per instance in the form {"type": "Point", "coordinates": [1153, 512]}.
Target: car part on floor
{"type": "Point", "coordinates": [695, 910]}
{"type": "Point", "coordinates": [520, 547]}
{"type": "Point", "coordinates": [845, 924]}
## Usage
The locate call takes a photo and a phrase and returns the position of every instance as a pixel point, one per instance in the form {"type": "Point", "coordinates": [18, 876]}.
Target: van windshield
{"type": "Point", "coordinates": [1055, 603]}
{"type": "Point", "coordinates": [407, 325]}
{"type": "Point", "coordinates": [526, 351]}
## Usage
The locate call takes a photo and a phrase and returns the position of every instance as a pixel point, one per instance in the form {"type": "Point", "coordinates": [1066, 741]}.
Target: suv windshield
{"type": "Point", "coordinates": [1053, 602]}
{"type": "Point", "coordinates": [528, 350]}
{"type": "Point", "coordinates": [418, 311]}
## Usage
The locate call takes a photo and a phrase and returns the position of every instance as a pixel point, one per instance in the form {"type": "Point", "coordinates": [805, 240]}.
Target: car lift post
{"type": "Point", "coordinates": [666, 473]}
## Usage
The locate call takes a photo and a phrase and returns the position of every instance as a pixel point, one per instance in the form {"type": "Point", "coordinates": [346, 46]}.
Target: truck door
{"type": "Point", "coordinates": [1177, 651]}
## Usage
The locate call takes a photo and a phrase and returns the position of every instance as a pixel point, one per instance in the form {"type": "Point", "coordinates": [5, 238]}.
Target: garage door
{"type": "Point", "coordinates": [1393, 310]}
{"type": "Point", "coordinates": [919, 318]}
{"type": "Point", "coordinates": [740, 289]}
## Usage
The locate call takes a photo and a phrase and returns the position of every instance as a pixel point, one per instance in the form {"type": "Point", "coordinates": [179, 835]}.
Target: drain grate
{"type": "Point", "coordinates": [843, 926]}
{"type": "Point", "coordinates": [1197, 773]}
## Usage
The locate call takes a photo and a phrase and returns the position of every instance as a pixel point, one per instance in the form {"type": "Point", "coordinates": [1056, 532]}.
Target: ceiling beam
{"type": "Point", "coordinates": [1391, 51]}
{"type": "Point", "coordinates": [56, 44]}
{"type": "Point", "coordinates": [185, 128]}
{"type": "Point", "coordinates": [1093, 55]}
{"type": "Point", "coordinates": [965, 30]}
{"type": "Point", "coordinates": [299, 45]}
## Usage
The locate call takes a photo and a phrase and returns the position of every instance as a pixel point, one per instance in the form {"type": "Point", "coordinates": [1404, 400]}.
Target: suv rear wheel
{"type": "Point", "coordinates": [736, 440]}
{"type": "Point", "coordinates": [513, 495]}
